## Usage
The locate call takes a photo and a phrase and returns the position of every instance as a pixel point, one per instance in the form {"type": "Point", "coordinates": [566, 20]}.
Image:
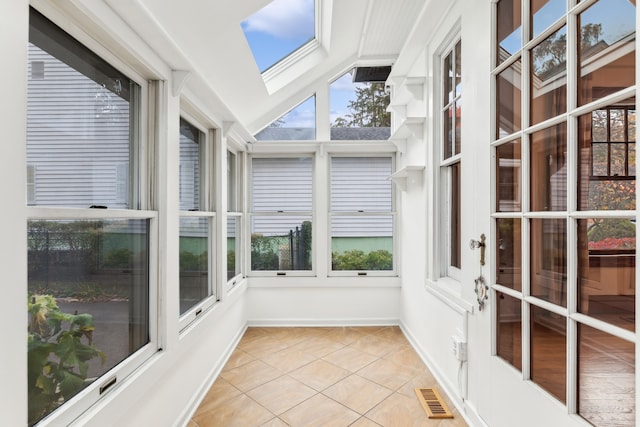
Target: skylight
{"type": "Point", "coordinates": [279, 29]}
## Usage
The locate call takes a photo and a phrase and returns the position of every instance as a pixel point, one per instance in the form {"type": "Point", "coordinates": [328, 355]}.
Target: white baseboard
{"type": "Point", "coordinates": [323, 322]}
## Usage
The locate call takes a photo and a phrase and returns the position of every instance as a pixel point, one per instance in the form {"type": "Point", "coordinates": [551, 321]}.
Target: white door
{"type": "Point", "coordinates": [556, 343]}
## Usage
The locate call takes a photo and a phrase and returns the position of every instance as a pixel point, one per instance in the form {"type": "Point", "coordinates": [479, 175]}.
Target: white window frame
{"type": "Point", "coordinates": [362, 273]}
{"type": "Point", "coordinates": [206, 210]}
{"type": "Point", "coordinates": [147, 99]}
{"type": "Point", "coordinates": [311, 214]}
{"type": "Point", "coordinates": [235, 209]}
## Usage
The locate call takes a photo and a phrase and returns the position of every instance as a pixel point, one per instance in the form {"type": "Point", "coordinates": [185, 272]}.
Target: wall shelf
{"type": "Point", "coordinates": [411, 127]}
{"type": "Point", "coordinates": [408, 177]}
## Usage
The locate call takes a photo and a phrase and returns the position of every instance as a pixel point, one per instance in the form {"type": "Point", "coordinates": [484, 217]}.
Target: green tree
{"type": "Point", "coordinates": [369, 109]}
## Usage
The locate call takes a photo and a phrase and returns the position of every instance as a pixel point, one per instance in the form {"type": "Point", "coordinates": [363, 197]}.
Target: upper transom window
{"type": "Point", "coordinates": [279, 29]}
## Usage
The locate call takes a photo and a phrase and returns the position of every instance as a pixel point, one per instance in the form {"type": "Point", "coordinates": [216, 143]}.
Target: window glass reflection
{"type": "Point", "coordinates": [606, 378]}
{"type": "Point", "coordinates": [607, 270]}
{"type": "Point", "coordinates": [194, 261]}
{"type": "Point", "coordinates": [607, 49]}
{"type": "Point", "coordinates": [509, 29]}
{"type": "Point", "coordinates": [508, 100]}
{"type": "Point", "coordinates": [509, 329]}
{"type": "Point", "coordinates": [549, 169]}
{"type": "Point", "coordinates": [509, 253]}
{"type": "Point", "coordinates": [548, 77]}
{"type": "Point", "coordinates": [544, 13]}
{"type": "Point", "coordinates": [549, 260]}
{"type": "Point", "coordinates": [549, 351]}
{"type": "Point", "coordinates": [508, 177]}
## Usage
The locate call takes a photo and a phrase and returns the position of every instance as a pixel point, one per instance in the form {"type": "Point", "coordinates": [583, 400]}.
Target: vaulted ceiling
{"type": "Point", "coordinates": [205, 37]}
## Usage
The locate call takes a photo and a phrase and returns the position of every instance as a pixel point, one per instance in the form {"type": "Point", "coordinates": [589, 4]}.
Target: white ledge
{"type": "Point", "coordinates": [411, 127]}
{"type": "Point", "coordinates": [408, 177]}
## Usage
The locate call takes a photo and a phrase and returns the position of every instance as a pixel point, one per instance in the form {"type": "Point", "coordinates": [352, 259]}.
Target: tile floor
{"type": "Point", "coordinates": [305, 377]}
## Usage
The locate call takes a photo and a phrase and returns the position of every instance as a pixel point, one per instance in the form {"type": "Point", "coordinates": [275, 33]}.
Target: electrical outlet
{"type": "Point", "coordinates": [459, 349]}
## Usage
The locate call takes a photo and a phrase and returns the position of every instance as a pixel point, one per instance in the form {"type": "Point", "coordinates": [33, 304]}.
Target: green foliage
{"type": "Point", "coordinates": [359, 260]}
{"type": "Point", "coordinates": [119, 258]}
{"type": "Point", "coordinates": [369, 109]}
{"type": "Point", "coordinates": [611, 228]}
{"type": "Point", "coordinates": [59, 349]}
{"type": "Point", "coordinates": [263, 253]}
{"type": "Point", "coordinates": [192, 262]}
{"type": "Point", "coordinates": [305, 236]}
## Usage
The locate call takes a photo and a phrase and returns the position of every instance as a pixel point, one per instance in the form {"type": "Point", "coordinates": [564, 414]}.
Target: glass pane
{"type": "Point", "coordinates": [549, 169]}
{"type": "Point", "coordinates": [282, 184]}
{"type": "Point", "coordinates": [447, 130]}
{"type": "Point", "coordinates": [509, 254]}
{"type": "Point", "coordinates": [83, 275]}
{"type": "Point", "coordinates": [298, 124]}
{"type": "Point", "coordinates": [548, 77]}
{"type": "Point", "coordinates": [509, 29]}
{"type": "Point", "coordinates": [509, 329]}
{"type": "Point", "coordinates": [80, 111]}
{"type": "Point", "coordinates": [549, 352]}
{"type": "Point", "coordinates": [600, 126]}
{"type": "Point", "coordinates": [358, 111]}
{"type": "Point", "coordinates": [281, 242]}
{"type": "Point", "coordinates": [631, 118]}
{"type": "Point", "coordinates": [190, 138]}
{"type": "Point", "coordinates": [508, 177]}
{"type": "Point", "coordinates": [549, 260]}
{"type": "Point", "coordinates": [454, 217]}
{"type": "Point", "coordinates": [606, 378]}
{"type": "Point", "coordinates": [611, 184]}
{"type": "Point", "coordinates": [544, 13]}
{"type": "Point", "coordinates": [607, 270]}
{"type": "Point", "coordinates": [233, 233]}
{"type": "Point", "coordinates": [361, 242]}
{"type": "Point", "coordinates": [458, 66]}
{"type": "Point", "coordinates": [447, 79]}
{"type": "Point", "coordinates": [508, 96]}
{"type": "Point", "coordinates": [361, 184]}
{"type": "Point", "coordinates": [194, 261]}
{"type": "Point", "coordinates": [607, 49]}
{"type": "Point", "coordinates": [617, 121]}
{"type": "Point", "coordinates": [232, 186]}
{"type": "Point", "coordinates": [458, 127]}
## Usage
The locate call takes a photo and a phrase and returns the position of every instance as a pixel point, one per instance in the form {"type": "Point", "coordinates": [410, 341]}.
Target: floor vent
{"type": "Point", "coordinates": [432, 403]}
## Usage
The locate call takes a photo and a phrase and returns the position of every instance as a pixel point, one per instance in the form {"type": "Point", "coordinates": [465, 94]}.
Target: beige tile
{"type": "Point", "coordinates": [320, 411]}
{"type": "Point", "coordinates": [407, 357]}
{"type": "Point", "coordinates": [240, 411]}
{"type": "Point", "coordinates": [319, 347]}
{"type": "Point", "coordinates": [276, 422]}
{"type": "Point", "coordinates": [289, 359]}
{"type": "Point", "coordinates": [364, 422]}
{"type": "Point", "coordinates": [393, 334]}
{"type": "Point", "coordinates": [350, 358]}
{"type": "Point", "coordinates": [220, 392]}
{"type": "Point", "coordinates": [319, 374]}
{"type": "Point", "coordinates": [251, 375]}
{"type": "Point", "coordinates": [357, 393]}
{"type": "Point", "coordinates": [238, 358]}
{"type": "Point", "coordinates": [374, 345]}
{"type": "Point", "coordinates": [386, 373]}
{"type": "Point", "coordinates": [456, 421]}
{"type": "Point", "coordinates": [424, 380]}
{"type": "Point", "coordinates": [192, 423]}
{"type": "Point", "coordinates": [281, 394]}
{"type": "Point", "coordinates": [262, 346]}
{"type": "Point", "coordinates": [347, 335]}
{"type": "Point", "coordinates": [401, 411]}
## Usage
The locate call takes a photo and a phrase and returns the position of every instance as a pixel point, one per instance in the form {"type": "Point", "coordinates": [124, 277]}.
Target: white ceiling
{"type": "Point", "coordinates": [205, 37]}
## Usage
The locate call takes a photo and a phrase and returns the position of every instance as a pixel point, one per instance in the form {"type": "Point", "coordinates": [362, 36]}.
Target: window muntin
{"type": "Point", "coordinates": [98, 264]}
{"type": "Point", "coordinates": [359, 110]}
{"type": "Point", "coordinates": [361, 213]}
{"type": "Point", "coordinates": [282, 213]}
{"type": "Point", "coordinates": [557, 233]}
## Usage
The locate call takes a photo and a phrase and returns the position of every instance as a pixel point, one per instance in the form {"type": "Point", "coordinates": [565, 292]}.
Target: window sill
{"type": "Point", "coordinates": [441, 289]}
{"type": "Point", "coordinates": [324, 282]}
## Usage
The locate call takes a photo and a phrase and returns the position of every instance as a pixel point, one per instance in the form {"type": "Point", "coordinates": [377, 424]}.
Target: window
{"type": "Point", "coordinates": [298, 124]}
{"type": "Point", "coordinates": [234, 217]}
{"type": "Point", "coordinates": [359, 110]}
{"type": "Point", "coordinates": [576, 233]}
{"type": "Point", "coordinates": [281, 214]}
{"type": "Point", "coordinates": [450, 161]}
{"type": "Point", "coordinates": [89, 257]}
{"type": "Point", "coordinates": [362, 214]}
{"type": "Point", "coordinates": [197, 280]}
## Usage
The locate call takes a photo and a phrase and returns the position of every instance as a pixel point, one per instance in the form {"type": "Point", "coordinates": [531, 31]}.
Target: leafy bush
{"type": "Point", "coordinates": [359, 260]}
{"type": "Point", "coordinates": [59, 347]}
{"type": "Point", "coordinates": [614, 228]}
{"type": "Point", "coordinates": [263, 254]}
{"type": "Point", "coordinates": [119, 258]}
{"type": "Point", "coordinates": [192, 262]}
